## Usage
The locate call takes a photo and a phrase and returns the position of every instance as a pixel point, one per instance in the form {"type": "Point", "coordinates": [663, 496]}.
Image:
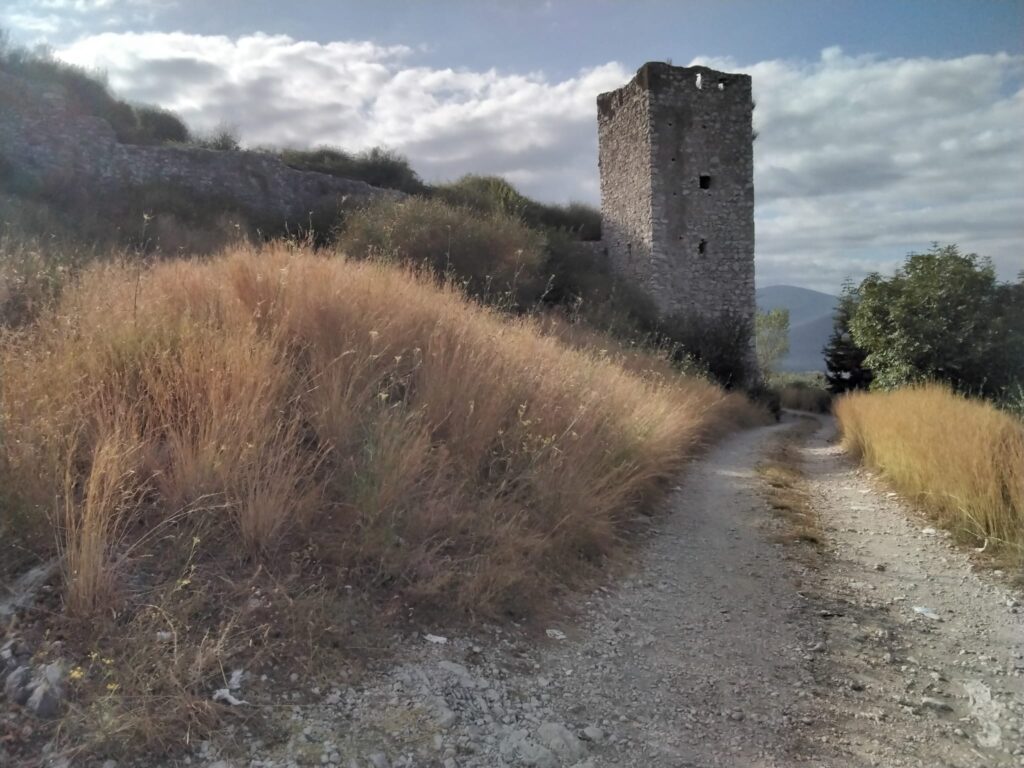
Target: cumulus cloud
{"type": "Point", "coordinates": [859, 156]}
{"type": "Point", "coordinates": [858, 159]}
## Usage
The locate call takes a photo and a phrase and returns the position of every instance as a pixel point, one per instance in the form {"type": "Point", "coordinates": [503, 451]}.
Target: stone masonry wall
{"type": "Point", "coordinates": [624, 131]}
{"type": "Point", "coordinates": [677, 188]}
{"type": "Point", "coordinates": [41, 137]}
{"type": "Point", "coordinates": [705, 237]}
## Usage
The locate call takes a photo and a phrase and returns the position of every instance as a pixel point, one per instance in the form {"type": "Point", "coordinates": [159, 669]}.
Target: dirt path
{"type": "Point", "coordinates": [725, 648]}
{"type": "Point", "coordinates": [906, 688]}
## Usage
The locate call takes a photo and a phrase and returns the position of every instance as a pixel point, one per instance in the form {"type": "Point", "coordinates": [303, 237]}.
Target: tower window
{"type": "Point", "coordinates": [721, 85]}
{"type": "Point", "coordinates": [702, 246]}
{"type": "Point", "coordinates": [700, 81]}
{"type": "Point", "coordinates": [705, 181]}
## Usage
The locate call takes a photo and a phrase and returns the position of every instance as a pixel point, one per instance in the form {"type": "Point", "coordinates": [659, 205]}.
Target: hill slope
{"type": "Point", "coordinates": [810, 322]}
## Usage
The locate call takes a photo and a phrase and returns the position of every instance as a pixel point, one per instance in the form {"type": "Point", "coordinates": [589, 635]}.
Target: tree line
{"type": "Point", "coordinates": [943, 316]}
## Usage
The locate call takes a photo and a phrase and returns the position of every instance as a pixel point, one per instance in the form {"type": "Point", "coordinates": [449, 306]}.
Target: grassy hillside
{"type": "Point", "coordinates": [209, 444]}
{"type": "Point", "coordinates": [961, 459]}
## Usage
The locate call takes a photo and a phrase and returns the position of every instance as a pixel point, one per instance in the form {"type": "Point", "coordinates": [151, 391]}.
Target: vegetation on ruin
{"type": "Point", "coordinates": [378, 167]}
{"type": "Point", "coordinates": [88, 92]}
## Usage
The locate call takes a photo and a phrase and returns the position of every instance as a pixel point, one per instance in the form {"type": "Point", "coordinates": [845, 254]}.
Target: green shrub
{"type": "Point", "coordinates": [159, 126]}
{"type": "Point", "coordinates": [721, 344]}
{"type": "Point", "coordinates": [224, 138]}
{"type": "Point", "coordinates": [493, 194]}
{"type": "Point", "coordinates": [496, 256]}
{"type": "Point", "coordinates": [378, 167]}
{"type": "Point", "coordinates": [943, 316]}
{"type": "Point", "coordinates": [767, 397]}
{"type": "Point", "coordinates": [579, 278]}
{"type": "Point", "coordinates": [33, 273]}
{"type": "Point", "coordinates": [146, 218]}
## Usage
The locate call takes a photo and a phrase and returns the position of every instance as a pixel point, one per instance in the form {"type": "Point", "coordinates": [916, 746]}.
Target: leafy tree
{"type": "Point", "coordinates": [772, 333]}
{"type": "Point", "coordinates": [844, 360]}
{"type": "Point", "coordinates": [942, 316]}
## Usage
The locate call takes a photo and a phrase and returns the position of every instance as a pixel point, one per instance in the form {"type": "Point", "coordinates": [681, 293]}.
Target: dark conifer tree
{"type": "Point", "coordinates": [844, 360]}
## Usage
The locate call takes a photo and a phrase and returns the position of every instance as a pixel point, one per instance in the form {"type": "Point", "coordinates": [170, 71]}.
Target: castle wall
{"type": "Point", "coordinates": [624, 134]}
{"type": "Point", "coordinates": [41, 137]}
{"type": "Point", "coordinates": [677, 189]}
{"type": "Point", "coordinates": [705, 235]}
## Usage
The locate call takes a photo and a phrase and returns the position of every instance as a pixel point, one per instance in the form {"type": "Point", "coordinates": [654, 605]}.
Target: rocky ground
{"type": "Point", "coordinates": [724, 646]}
{"type": "Point", "coordinates": [924, 646]}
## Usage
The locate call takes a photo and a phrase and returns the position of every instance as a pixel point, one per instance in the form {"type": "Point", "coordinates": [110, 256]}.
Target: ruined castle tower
{"type": "Point", "coordinates": [677, 188]}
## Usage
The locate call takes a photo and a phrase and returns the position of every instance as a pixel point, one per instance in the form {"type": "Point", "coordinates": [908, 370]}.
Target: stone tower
{"type": "Point", "coordinates": [677, 189]}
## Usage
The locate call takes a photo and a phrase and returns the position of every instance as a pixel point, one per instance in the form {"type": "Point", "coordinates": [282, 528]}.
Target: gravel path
{"type": "Point", "coordinates": [697, 659]}
{"type": "Point", "coordinates": [723, 647]}
{"type": "Point", "coordinates": [925, 662]}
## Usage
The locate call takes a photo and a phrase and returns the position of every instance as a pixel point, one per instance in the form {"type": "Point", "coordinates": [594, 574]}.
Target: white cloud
{"type": "Point", "coordinates": [858, 160]}
{"type": "Point", "coordinates": [40, 21]}
{"type": "Point", "coordinates": [34, 23]}
{"type": "Point", "coordinates": [859, 156]}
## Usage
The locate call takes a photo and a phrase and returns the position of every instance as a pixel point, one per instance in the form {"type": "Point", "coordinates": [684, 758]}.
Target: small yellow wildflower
{"type": "Point", "coordinates": [112, 687]}
{"type": "Point", "coordinates": [77, 673]}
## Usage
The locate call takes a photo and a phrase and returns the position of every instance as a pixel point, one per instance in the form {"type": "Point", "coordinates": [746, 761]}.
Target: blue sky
{"type": "Point", "coordinates": [883, 125]}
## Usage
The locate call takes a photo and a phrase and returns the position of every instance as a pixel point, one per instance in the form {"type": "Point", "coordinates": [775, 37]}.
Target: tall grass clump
{"type": "Point", "coordinates": [960, 458]}
{"type": "Point", "coordinates": [395, 434]}
{"type": "Point", "coordinates": [805, 396]}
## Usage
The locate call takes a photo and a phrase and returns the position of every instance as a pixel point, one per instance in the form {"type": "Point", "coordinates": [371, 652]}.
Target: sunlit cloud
{"type": "Point", "coordinates": [858, 159]}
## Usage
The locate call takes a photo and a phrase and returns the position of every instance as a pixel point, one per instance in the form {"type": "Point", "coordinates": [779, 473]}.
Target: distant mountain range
{"type": "Point", "coordinates": [810, 323]}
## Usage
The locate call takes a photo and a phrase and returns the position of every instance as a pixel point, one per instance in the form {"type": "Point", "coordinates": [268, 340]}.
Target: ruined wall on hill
{"type": "Point", "coordinates": [42, 138]}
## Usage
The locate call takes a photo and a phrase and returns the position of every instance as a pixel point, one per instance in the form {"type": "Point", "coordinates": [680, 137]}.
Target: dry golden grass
{"type": "Point", "coordinates": [961, 459]}
{"type": "Point", "coordinates": [799, 396]}
{"type": "Point", "coordinates": [435, 448]}
{"type": "Point", "coordinates": [216, 444]}
{"type": "Point", "coordinates": [787, 490]}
